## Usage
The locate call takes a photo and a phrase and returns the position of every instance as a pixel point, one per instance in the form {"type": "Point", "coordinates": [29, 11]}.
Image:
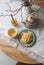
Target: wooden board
{"type": "Point", "coordinates": [39, 2]}
{"type": "Point", "coordinates": [16, 54]}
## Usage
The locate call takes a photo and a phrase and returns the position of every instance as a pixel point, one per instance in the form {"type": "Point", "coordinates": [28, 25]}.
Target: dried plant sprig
{"type": "Point", "coordinates": [13, 1]}
{"type": "Point", "coordinates": [10, 1]}
{"type": "Point", "coordinates": [14, 12]}
{"type": "Point", "coordinates": [18, 10]}
{"type": "Point", "coordinates": [4, 15]}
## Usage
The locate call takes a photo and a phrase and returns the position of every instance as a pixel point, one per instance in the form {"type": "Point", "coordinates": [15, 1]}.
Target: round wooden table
{"type": "Point", "coordinates": [16, 54]}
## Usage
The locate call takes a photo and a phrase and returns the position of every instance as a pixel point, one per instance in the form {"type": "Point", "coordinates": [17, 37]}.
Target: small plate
{"type": "Point", "coordinates": [29, 44]}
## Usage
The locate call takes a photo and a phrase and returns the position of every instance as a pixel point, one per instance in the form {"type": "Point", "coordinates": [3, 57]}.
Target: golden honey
{"type": "Point", "coordinates": [14, 22]}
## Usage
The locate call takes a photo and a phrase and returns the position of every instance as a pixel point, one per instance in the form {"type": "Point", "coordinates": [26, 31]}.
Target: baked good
{"type": "Point", "coordinates": [26, 37]}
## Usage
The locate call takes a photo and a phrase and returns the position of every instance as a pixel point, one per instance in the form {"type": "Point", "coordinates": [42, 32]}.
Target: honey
{"type": "Point", "coordinates": [14, 22]}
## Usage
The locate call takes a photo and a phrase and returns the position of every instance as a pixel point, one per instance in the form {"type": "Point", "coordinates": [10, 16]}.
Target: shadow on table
{"type": "Point", "coordinates": [27, 64]}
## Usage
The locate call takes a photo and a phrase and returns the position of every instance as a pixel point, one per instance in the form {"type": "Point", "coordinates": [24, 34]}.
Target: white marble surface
{"type": "Point", "coordinates": [5, 60]}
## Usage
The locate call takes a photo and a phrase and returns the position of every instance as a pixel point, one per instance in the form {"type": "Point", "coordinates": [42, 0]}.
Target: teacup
{"type": "Point", "coordinates": [12, 32]}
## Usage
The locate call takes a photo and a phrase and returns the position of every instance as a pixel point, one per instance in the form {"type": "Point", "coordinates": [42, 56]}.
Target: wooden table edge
{"type": "Point", "coordinates": [16, 54]}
